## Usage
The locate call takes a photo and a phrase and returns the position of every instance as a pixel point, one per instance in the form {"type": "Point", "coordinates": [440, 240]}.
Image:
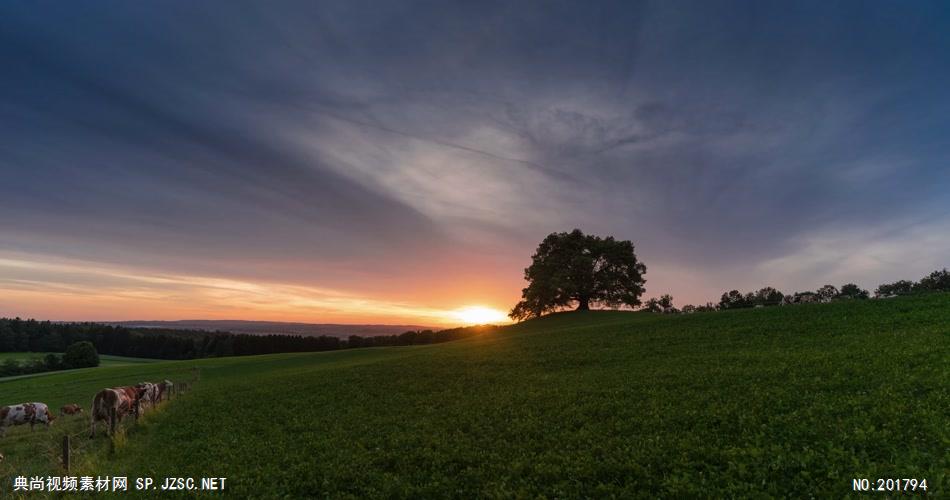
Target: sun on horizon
{"type": "Point", "coordinates": [479, 315]}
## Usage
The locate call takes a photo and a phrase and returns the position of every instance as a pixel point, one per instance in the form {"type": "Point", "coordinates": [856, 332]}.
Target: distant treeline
{"type": "Point", "coordinates": [18, 335]}
{"type": "Point", "coordinates": [937, 281]}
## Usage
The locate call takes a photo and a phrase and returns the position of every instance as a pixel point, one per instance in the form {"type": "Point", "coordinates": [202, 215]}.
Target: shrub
{"type": "Point", "coordinates": [902, 287]}
{"type": "Point", "coordinates": [81, 355]}
{"type": "Point", "coordinates": [852, 291]}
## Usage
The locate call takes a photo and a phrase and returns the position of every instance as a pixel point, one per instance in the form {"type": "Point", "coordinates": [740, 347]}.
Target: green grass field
{"type": "Point", "coordinates": [786, 401]}
{"type": "Point", "coordinates": [104, 359]}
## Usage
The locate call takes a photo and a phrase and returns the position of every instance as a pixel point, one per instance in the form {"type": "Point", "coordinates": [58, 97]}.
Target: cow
{"type": "Point", "coordinates": [26, 413]}
{"type": "Point", "coordinates": [113, 404]}
{"type": "Point", "coordinates": [70, 409]}
{"type": "Point", "coordinates": [150, 394]}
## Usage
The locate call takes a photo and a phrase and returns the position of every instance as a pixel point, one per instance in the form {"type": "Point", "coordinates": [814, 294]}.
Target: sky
{"type": "Point", "coordinates": [393, 162]}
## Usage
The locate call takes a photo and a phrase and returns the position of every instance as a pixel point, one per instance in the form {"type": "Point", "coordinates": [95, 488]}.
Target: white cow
{"type": "Point", "coordinates": [26, 413]}
{"type": "Point", "coordinates": [150, 394]}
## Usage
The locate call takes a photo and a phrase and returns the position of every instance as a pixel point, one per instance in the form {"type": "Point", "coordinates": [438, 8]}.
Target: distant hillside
{"type": "Point", "coordinates": [774, 402]}
{"type": "Point", "coordinates": [276, 327]}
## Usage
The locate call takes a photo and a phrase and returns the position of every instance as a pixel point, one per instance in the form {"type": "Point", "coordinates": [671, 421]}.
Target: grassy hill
{"type": "Point", "coordinates": [791, 401]}
{"type": "Point", "coordinates": [104, 359]}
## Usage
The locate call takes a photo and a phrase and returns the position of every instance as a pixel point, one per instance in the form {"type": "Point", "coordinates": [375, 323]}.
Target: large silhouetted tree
{"type": "Point", "coordinates": [575, 269]}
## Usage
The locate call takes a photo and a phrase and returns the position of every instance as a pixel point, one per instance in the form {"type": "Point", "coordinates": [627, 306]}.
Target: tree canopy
{"type": "Point", "coordinates": [734, 299]}
{"type": "Point", "coordinates": [81, 355]}
{"type": "Point", "coordinates": [852, 291]}
{"type": "Point", "coordinates": [664, 304]}
{"type": "Point", "coordinates": [578, 270]}
{"type": "Point", "coordinates": [901, 287]}
{"type": "Point", "coordinates": [937, 281]}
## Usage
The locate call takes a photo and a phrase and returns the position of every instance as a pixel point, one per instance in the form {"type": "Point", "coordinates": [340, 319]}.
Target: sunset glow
{"type": "Point", "coordinates": [478, 315]}
{"type": "Point", "coordinates": [253, 171]}
{"type": "Point", "coordinates": [88, 291]}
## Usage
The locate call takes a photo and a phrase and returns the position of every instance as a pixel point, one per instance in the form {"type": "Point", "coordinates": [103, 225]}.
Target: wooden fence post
{"type": "Point", "coordinates": [66, 452]}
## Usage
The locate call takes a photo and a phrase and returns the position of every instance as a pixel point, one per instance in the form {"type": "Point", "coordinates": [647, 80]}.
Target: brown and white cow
{"type": "Point", "coordinates": [70, 409]}
{"type": "Point", "coordinates": [113, 404]}
{"type": "Point", "coordinates": [26, 413]}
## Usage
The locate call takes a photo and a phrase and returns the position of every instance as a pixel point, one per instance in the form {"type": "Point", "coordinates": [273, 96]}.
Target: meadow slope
{"type": "Point", "coordinates": [786, 401]}
{"type": "Point", "coordinates": [104, 360]}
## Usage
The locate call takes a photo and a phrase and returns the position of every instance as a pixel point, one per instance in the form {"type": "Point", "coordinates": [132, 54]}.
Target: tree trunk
{"type": "Point", "coordinates": [583, 304]}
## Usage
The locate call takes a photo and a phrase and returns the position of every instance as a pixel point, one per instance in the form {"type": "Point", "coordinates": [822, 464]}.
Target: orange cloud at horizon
{"type": "Point", "coordinates": [62, 290]}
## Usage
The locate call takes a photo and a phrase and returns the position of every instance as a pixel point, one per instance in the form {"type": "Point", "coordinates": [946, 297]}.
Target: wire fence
{"type": "Point", "coordinates": [76, 442]}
